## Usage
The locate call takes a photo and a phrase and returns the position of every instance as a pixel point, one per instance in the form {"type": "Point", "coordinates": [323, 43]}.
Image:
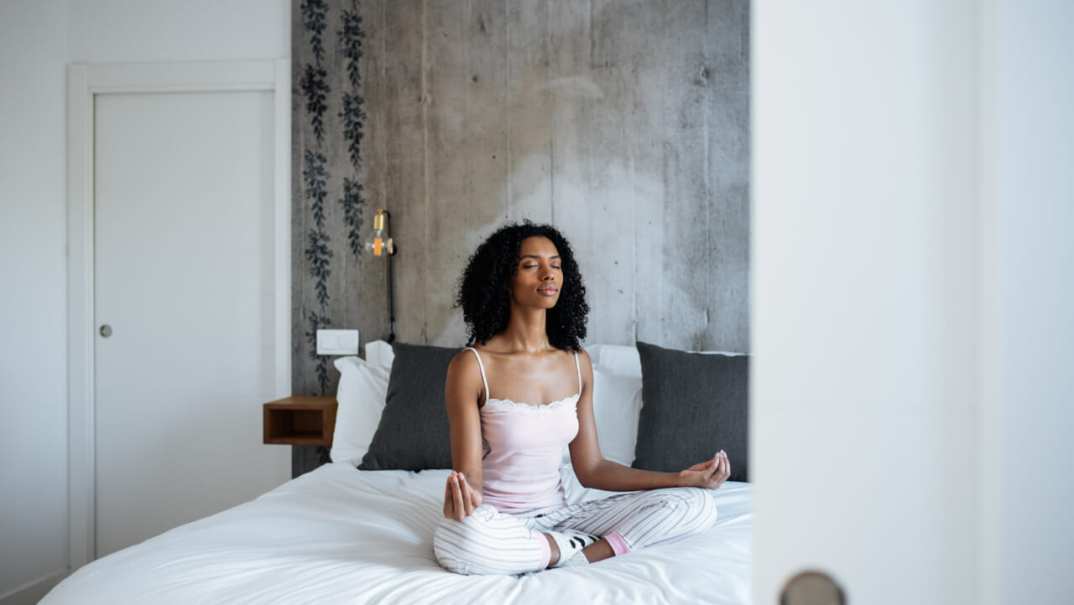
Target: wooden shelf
{"type": "Point", "coordinates": [300, 420]}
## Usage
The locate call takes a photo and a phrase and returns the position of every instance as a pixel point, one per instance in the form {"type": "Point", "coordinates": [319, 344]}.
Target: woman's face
{"type": "Point", "coordinates": [540, 275]}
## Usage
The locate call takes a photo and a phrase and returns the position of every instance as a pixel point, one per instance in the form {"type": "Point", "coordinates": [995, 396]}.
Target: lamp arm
{"type": "Point", "coordinates": [391, 250]}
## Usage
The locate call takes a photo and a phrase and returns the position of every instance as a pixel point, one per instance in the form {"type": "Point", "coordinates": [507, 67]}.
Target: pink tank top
{"type": "Point", "coordinates": [525, 447]}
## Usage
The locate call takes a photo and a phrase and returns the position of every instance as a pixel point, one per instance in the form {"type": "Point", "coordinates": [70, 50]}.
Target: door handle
{"type": "Point", "coordinates": [106, 330]}
{"type": "Point", "coordinates": [812, 588]}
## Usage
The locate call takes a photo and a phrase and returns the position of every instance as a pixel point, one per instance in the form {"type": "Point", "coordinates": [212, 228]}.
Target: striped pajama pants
{"type": "Point", "coordinates": [490, 542]}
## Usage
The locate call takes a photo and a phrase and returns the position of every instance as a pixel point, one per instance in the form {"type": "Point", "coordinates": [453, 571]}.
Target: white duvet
{"type": "Point", "coordinates": [340, 535]}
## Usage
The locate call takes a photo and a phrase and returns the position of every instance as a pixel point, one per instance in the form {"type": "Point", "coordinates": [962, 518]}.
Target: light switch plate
{"type": "Point", "coordinates": [337, 342]}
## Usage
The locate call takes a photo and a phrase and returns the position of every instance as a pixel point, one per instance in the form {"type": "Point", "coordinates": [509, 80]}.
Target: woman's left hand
{"type": "Point", "coordinates": [709, 474]}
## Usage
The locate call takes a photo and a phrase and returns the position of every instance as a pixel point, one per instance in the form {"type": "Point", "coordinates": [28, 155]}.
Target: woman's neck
{"type": "Point", "coordinates": [526, 332]}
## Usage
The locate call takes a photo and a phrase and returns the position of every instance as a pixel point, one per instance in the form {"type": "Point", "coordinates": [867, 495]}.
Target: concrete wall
{"type": "Point", "coordinates": [625, 124]}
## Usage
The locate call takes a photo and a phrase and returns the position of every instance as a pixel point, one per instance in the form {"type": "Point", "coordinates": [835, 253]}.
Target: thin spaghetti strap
{"type": "Point", "coordinates": [481, 365]}
{"type": "Point", "coordinates": [579, 368]}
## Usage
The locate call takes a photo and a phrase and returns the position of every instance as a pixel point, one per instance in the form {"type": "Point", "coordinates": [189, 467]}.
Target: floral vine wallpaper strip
{"type": "Point", "coordinates": [330, 205]}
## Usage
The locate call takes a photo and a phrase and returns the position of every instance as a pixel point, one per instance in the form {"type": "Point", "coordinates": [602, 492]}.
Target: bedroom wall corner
{"type": "Point", "coordinates": [38, 40]}
{"type": "Point", "coordinates": [33, 394]}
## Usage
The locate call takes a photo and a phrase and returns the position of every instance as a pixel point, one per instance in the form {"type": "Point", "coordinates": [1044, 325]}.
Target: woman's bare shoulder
{"type": "Point", "coordinates": [462, 361]}
{"type": "Point", "coordinates": [463, 384]}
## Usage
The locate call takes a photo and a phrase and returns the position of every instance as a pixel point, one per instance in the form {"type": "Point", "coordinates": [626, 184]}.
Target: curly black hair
{"type": "Point", "coordinates": [484, 288]}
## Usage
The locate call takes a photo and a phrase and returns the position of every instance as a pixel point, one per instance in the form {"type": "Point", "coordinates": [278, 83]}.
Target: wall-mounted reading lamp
{"type": "Point", "coordinates": [382, 245]}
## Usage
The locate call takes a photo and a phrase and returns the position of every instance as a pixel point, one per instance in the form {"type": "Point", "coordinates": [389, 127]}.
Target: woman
{"type": "Point", "coordinates": [504, 508]}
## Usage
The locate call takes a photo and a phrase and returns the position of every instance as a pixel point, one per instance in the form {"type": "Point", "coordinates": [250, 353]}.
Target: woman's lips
{"type": "Point", "coordinates": [548, 291]}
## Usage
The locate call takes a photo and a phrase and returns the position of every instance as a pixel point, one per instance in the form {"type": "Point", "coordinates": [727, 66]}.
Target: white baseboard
{"type": "Point", "coordinates": [34, 590]}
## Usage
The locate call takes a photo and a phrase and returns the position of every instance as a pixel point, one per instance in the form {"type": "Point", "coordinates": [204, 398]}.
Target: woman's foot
{"type": "Point", "coordinates": [565, 545]}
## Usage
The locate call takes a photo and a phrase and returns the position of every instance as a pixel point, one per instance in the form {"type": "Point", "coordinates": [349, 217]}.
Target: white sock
{"type": "Point", "coordinates": [570, 543]}
{"type": "Point", "coordinates": [578, 559]}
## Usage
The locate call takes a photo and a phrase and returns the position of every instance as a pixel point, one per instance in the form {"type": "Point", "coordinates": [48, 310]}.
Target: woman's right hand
{"type": "Point", "coordinates": [459, 498]}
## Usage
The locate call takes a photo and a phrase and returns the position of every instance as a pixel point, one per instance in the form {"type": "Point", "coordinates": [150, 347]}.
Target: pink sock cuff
{"type": "Point", "coordinates": [617, 542]}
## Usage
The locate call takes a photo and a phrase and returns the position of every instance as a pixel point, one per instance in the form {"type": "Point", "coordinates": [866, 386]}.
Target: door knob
{"type": "Point", "coordinates": [812, 588]}
{"type": "Point", "coordinates": [106, 330]}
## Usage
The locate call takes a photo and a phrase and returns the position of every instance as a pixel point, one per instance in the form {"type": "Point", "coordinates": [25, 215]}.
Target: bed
{"type": "Point", "coordinates": [339, 534]}
{"type": "Point", "coordinates": [342, 535]}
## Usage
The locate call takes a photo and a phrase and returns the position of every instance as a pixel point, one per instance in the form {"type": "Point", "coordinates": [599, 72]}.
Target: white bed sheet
{"type": "Point", "coordinates": [340, 535]}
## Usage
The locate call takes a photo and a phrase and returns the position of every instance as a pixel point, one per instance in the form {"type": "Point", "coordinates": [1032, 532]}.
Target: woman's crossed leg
{"type": "Point", "coordinates": [490, 542]}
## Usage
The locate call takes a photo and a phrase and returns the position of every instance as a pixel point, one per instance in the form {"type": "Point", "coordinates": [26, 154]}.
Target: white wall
{"type": "Point", "coordinates": [37, 40]}
{"type": "Point", "coordinates": [33, 433]}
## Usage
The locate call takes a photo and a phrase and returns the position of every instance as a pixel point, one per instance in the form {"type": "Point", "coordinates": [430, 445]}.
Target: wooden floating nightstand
{"type": "Point", "coordinates": [300, 420]}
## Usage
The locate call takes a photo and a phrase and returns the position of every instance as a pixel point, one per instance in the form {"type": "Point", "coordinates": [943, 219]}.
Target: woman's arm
{"type": "Point", "coordinates": [462, 391]}
{"type": "Point", "coordinates": [612, 476]}
{"type": "Point", "coordinates": [593, 470]}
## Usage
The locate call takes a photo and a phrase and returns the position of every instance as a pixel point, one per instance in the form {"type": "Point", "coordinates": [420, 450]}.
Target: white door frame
{"type": "Point", "coordinates": [84, 82]}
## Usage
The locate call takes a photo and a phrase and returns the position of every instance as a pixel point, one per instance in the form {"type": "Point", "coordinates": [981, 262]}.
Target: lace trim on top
{"type": "Point", "coordinates": [508, 404]}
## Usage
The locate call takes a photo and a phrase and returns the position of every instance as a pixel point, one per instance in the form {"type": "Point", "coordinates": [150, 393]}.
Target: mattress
{"type": "Point", "coordinates": [340, 535]}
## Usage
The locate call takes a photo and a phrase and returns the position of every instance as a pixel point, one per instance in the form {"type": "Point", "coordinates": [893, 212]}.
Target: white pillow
{"type": "Point", "coordinates": [379, 353]}
{"type": "Point", "coordinates": [363, 388]}
{"type": "Point", "coordinates": [616, 401]}
{"type": "Point", "coordinates": [616, 359]}
{"type": "Point", "coordinates": [616, 407]}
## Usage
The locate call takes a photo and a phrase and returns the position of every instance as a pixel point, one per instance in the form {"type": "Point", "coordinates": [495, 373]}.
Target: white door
{"type": "Point", "coordinates": [913, 303]}
{"type": "Point", "coordinates": [863, 396]}
{"type": "Point", "coordinates": [184, 282]}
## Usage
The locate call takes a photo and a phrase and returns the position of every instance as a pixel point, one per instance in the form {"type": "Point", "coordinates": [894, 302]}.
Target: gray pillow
{"type": "Point", "coordinates": [413, 432]}
{"type": "Point", "coordinates": [694, 404]}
